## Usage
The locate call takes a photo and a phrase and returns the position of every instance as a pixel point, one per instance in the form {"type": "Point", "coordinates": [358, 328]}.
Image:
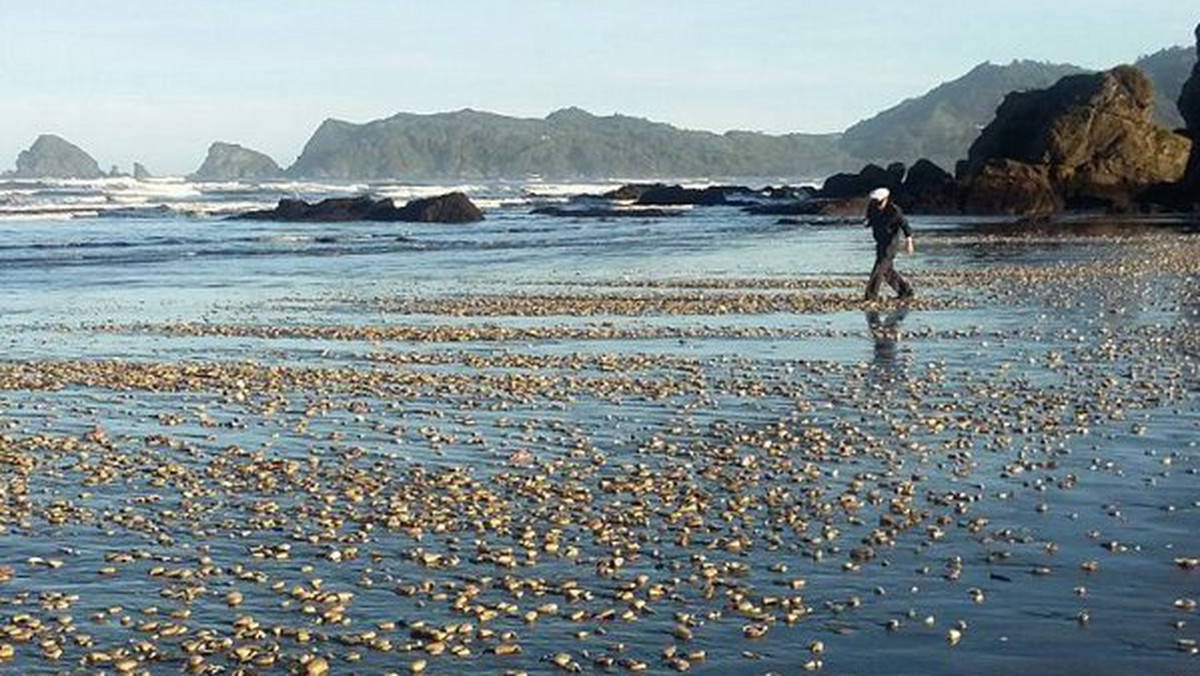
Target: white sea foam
{"type": "Point", "coordinates": [74, 198]}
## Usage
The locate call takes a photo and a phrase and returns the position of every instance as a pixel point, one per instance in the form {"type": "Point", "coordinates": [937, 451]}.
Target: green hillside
{"type": "Point", "coordinates": [569, 143]}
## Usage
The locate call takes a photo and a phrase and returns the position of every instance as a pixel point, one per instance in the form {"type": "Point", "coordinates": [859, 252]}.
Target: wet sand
{"type": "Point", "coordinates": [712, 475]}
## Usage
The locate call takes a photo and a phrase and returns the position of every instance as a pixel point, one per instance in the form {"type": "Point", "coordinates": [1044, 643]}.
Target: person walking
{"type": "Point", "coordinates": [887, 223]}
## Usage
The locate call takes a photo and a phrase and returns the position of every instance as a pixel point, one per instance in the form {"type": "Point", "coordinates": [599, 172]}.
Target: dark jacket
{"type": "Point", "coordinates": [886, 222]}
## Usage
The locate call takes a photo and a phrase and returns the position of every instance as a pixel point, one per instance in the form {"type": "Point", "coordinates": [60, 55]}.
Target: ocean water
{"type": "Point", "coordinates": [1003, 476]}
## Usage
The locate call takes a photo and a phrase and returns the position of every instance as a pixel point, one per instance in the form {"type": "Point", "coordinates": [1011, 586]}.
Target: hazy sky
{"type": "Point", "coordinates": [158, 80]}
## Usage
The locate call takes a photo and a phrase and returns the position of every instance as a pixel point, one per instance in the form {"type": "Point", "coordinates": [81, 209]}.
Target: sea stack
{"type": "Point", "coordinates": [52, 156]}
{"type": "Point", "coordinates": [232, 162]}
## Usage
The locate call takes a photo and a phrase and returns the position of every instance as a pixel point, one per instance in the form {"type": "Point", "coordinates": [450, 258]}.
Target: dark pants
{"type": "Point", "coordinates": [885, 271]}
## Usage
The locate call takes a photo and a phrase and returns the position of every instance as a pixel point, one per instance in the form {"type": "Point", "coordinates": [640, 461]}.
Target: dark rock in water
{"type": "Point", "coordinates": [232, 162]}
{"type": "Point", "coordinates": [449, 208]}
{"type": "Point", "coordinates": [452, 207]}
{"type": "Point", "coordinates": [632, 192]}
{"type": "Point", "coordinates": [604, 212]}
{"type": "Point", "coordinates": [1087, 140]}
{"type": "Point", "coordinates": [924, 189]}
{"type": "Point", "coordinates": [1189, 108]}
{"type": "Point", "coordinates": [675, 195]}
{"type": "Point", "coordinates": [140, 172]}
{"type": "Point", "coordinates": [51, 156]}
{"type": "Point", "coordinates": [333, 209]}
{"type": "Point", "coordinates": [928, 189]}
{"type": "Point", "coordinates": [845, 186]}
{"type": "Point", "coordinates": [661, 194]}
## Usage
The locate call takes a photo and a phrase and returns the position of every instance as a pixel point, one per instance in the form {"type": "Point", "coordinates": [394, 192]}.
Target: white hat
{"type": "Point", "coordinates": [879, 194]}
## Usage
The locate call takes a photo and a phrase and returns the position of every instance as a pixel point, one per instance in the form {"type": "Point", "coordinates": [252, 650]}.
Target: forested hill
{"type": "Point", "coordinates": [569, 143]}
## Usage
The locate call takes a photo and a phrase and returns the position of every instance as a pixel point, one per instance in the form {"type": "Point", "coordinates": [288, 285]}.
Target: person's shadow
{"type": "Point", "coordinates": [885, 330]}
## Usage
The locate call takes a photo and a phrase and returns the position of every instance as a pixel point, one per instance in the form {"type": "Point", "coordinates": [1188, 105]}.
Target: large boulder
{"type": "Point", "coordinates": [52, 156]}
{"type": "Point", "coordinates": [452, 207]}
{"type": "Point", "coordinates": [928, 189]}
{"type": "Point", "coordinates": [851, 186]}
{"type": "Point", "coordinates": [449, 208]}
{"type": "Point", "coordinates": [1088, 140]}
{"type": "Point", "coordinates": [232, 162]}
{"type": "Point", "coordinates": [1189, 108]}
{"type": "Point", "coordinates": [923, 189]}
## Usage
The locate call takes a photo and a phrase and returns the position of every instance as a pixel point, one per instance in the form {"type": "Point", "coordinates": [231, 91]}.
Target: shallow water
{"type": "Point", "coordinates": [1040, 432]}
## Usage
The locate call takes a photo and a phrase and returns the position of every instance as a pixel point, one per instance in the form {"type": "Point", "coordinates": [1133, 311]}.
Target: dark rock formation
{"type": "Point", "coordinates": [51, 156]}
{"type": "Point", "coordinates": [140, 172]}
{"type": "Point", "coordinates": [1086, 141]}
{"type": "Point", "coordinates": [928, 189]}
{"type": "Point", "coordinates": [661, 194]}
{"type": "Point", "coordinates": [449, 208]}
{"type": "Point", "coordinates": [452, 207]}
{"type": "Point", "coordinates": [848, 186]}
{"type": "Point", "coordinates": [231, 162]}
{"type": "Point", "coordinates": [923, 189]}
{"type": "Point", "coordinates": [1189, 108]}
{"type": "Point", "coordinates": [631, 192]}
{"type": "Point", "coordinates": [675, 195]}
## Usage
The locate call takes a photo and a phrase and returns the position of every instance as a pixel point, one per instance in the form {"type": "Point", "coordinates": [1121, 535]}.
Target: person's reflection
{"type": "Point", "coordinates": [885, 330]}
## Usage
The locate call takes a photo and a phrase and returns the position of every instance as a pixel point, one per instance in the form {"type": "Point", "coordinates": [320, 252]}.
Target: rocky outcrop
{"type": "Point", "coordinates": [849, 186]}
{"type": "Point", "coordinates": [452, 207]}
{"type": "Point", "coordinates": [663, 195]}
{"type": "Point", "coordinates": [449, 208]}
{"type": "Point", "coordinates": [232, 162]}
{"type": "Point", "coordinates": [675, 195]}
{"type": "Point", "coordinates": [51, 156]}
{"type": "Point", "coordinates": [1189, 108]}
{"type": "Point", "coordinates": [140, 172]}
{"type": "Point", "coordinates": [1088, 141]}
{"type": "Point", "coordinates": [928, 189]}
{"type": "Point", "coordinates": [925, 188]}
